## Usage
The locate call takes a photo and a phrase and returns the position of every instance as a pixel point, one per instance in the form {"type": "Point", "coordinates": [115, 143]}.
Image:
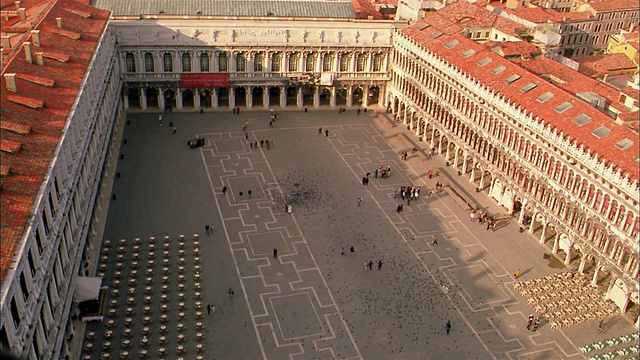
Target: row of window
{"type": "Point", "coordinates": [258, 60]}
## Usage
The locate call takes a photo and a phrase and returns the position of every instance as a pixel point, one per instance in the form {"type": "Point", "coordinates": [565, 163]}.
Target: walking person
{"type": "Point", "coordinates": [206, 229]}
{"type": "Point", "coordinates": [231, 293]}
{"type": "Point", "coordinates": [326, 133]}
{"type": "Point", "coordinates": [275, 253]}
{"type": "Point", "coordinates": [517, 274]}
{"type": "Point", "coordinates": [320, 131]}
{"type": "Point", "coordinates": [359, 201]}
{"type": "Point", "coordinates": [352, 250]}
{"type": "Point", "coordinates": [379, 265]}
{"type": "Point", "coordinates": [601, 326]}
{"type": "Point", "coordinates": [342, 251]}
{"type": "Point", "coordinates": [249, 194]}
{"type": "Point", "coordinates": [448, 326]}
{"type": "Point", "coordinates": [530, 322]}
{"type": "Point", "coordinates": [208, 309]}
{"type": "Point", "coordinates": [224, 190]}
{"type": "Point", "coordinates": [435, 240]}
{"type": "Point", "coordinates": [366, 265]}
{"type": "Point", "coordinates": [175, 129]}
{"type": "Point", "coordinates": [160, 120]}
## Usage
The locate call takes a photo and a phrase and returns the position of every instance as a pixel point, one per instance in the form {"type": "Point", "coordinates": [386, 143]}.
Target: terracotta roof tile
{"type": "Point", "coordinates": [601, 64]}
{"type": "Point", "coordinates": [30, 165]}
{"type": "Point", "coordinates": [607, 5]}
{"type": "Point", "coordinates": [623, 160]}
{"type": "Point", "coordinates": [364, 9]}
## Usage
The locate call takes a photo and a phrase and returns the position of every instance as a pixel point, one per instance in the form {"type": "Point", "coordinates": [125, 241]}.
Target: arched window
{"type": "Point", "coordinates": [326, 62]}
{"type": "Point", "coordinates": [241, 61]}
{"type": "Point", "coordinates": [167, 61]}
{"type": "Point", "coordinates": [344, 61]}
{"type": "Point", "coordinates": [275, 62]}
{"type": "Point", "coordinates": [293, 62]}
{"type": "Point", "coordinates": [131, 62]}
{"type": "Point", "coordinates": [204, 62]}
{"type": "Point", "coordinates": [186, 62]}
{"type": "Point", "coordinates": [148, 62]}
{"type": "Point", "coordinates": [360, 63]}
{"type": "Point", "coordinates": [223, 63]}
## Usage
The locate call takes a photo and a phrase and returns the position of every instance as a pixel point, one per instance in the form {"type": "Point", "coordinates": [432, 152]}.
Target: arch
{"type": "Point", "coordinates": [274, 95]}
{"type": "Point", "coordinates": [152, 97]}
{"type": "Point", "coordinates": [374, 94]}
{"type": "Point", "coordinates": [187, 98]}
{"type": "Point", "coordinates": [240, 93]}
{"type": "Point", "coordinates": [358, 95]}
{"type": "Point", "coordinates": [169, 98]}
{"type": "Point", "coordinates": [205, 98]}
{"type": "Point", "coordinates": [257, 95]}
{"type": "Point", "coordinates": [133, 96]}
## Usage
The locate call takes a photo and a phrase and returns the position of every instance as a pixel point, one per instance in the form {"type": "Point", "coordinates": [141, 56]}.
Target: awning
{"type": "Point", "coordinates": [87, 288]}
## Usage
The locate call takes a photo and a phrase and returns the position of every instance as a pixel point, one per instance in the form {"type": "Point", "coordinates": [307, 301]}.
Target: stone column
{"type": "Point", "coordinates": [567, 258]}
{"type": "Point", "coordinates": [265, 97]}
{"type": "Point", "coordinates": [365, 96]}
{"type": "Point", "coordinates": [524, 206]}
{"type": "Point", "coordinates": [143, 98]}
{"type": "Point", "coordinates": [594, 280]}
{"type": "Point", "coordinates": [269, 58]}
{"type": "Point", "coordinates": [299, 97]}
{"type": "Point", "coordinates": [316, 96]}
{"type": "Point", "coordinates": [544, 233]}
{"type": "Point", "coordinates": [332, 100]}
{"type": "Point", "coordinates": [583, 263]}
{"type": "Point", "coordinates": [556, 243]}
{"type": "Point", "coordinates": [249, 96]}
{"type": "Point", "coordinates": [216, 62]}
{"type": "Point", "coordinates": [125, 99]}
{"type": "Point", "coordinates": [232, 97]}
{"type": "Point", "coordinates": [196, 99]}
{"type": "Point", "coordinates": [214, 98]}
{"type": "Point", "coordinates": [161, 103]}
{"type": "Point", "coordinates": [179, 98]}
{"type": "Point", "coordinates": [283, 97]}
{"type": "Point", "coordinates": [350, 96]}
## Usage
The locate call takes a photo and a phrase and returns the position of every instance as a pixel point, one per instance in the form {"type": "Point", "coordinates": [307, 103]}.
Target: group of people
{"type": "Point", "coordinates": [267, 142]}
{"type": "Point", "coordinates": [368, 265]}
{"type": "Point", "coordinates": [408, 192]}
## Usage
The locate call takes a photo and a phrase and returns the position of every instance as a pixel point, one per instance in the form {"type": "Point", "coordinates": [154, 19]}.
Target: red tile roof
{"type": "Point", "coordinates": [570, 80]}
{"type": "Point", "coordinates": [534, 14]}
{"type": "Point", "coordinates": [29, 165]}
{"type": "Point", "coordinates": [364, 9]}
{"type": "Point", "coordinates": [608, 5]}
{"type": "Point", "coordinates": [623, 160]}
{"type": "Point", "coordinates": [523, 49]}
{"type": "Point", "coordinates": [601, 64]}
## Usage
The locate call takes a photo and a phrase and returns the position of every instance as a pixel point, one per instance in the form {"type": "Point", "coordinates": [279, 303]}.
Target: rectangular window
{"type": "Point", "coordinates": [223, 64]}
{"type": "Point", "coordinates": [257, 63]}
{"type": "Point", "coordinates": [148, 62]}
{"type": "Point", "coordinates": [168, 62]}
{"type": "Point", "coordinates": [309, 63]}
{"type": "Point", "coordinates": [275, 62]}
{"type": "Point", "coordinates": [377, 63]}
{"type": "Point", "coordinates": [326, 62]}
{"type": "Point", "coordinates": [240, 63]}
{"type": "Point", "coordinates": [45, 222]}
{"type": "Point", "coordinates": [344, 61]}
{"type": "Point", "coordinates": [293, 62]}
{"type": "Point", "coordinates": [131, 63]}
{"type": "Point", "coordinates": [204, 62]}
{"type": "Point", "coordinates": [360, 63]}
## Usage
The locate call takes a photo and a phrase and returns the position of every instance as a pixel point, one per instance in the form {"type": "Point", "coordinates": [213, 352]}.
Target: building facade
{"type": "Point", "coordinates": [518, 138]}
{"type": "Point", "coordinates": [57, 119]}
{"type": "Point", "coordinates": [276, 63]}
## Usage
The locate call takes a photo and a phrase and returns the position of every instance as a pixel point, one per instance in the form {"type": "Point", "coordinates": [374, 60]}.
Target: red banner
{"type": "Point", "coordinates": [204, 80]}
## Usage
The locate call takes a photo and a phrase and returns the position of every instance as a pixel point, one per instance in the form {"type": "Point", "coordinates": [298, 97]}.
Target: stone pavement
{"type": "Point", "coordinates": [312, 302]}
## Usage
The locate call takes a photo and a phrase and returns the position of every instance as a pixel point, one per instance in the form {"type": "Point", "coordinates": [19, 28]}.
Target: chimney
{"type": "Point", "coordinates": [17, 5]}
{"type": "Point", "coordinates": [27, 51]}
{"type": "Point", "coordinates": [35, 37]}
{"type": "Point", "coordinates": [11, 82]}
{"type": "Point", "coordinates": [23, 14]}
{"type": "Point", "coordinates": [6, 42]}
{"type": "Point", "coordinates": [59, 22]}
{"type": "Point", "coordinates": [39, 58]}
